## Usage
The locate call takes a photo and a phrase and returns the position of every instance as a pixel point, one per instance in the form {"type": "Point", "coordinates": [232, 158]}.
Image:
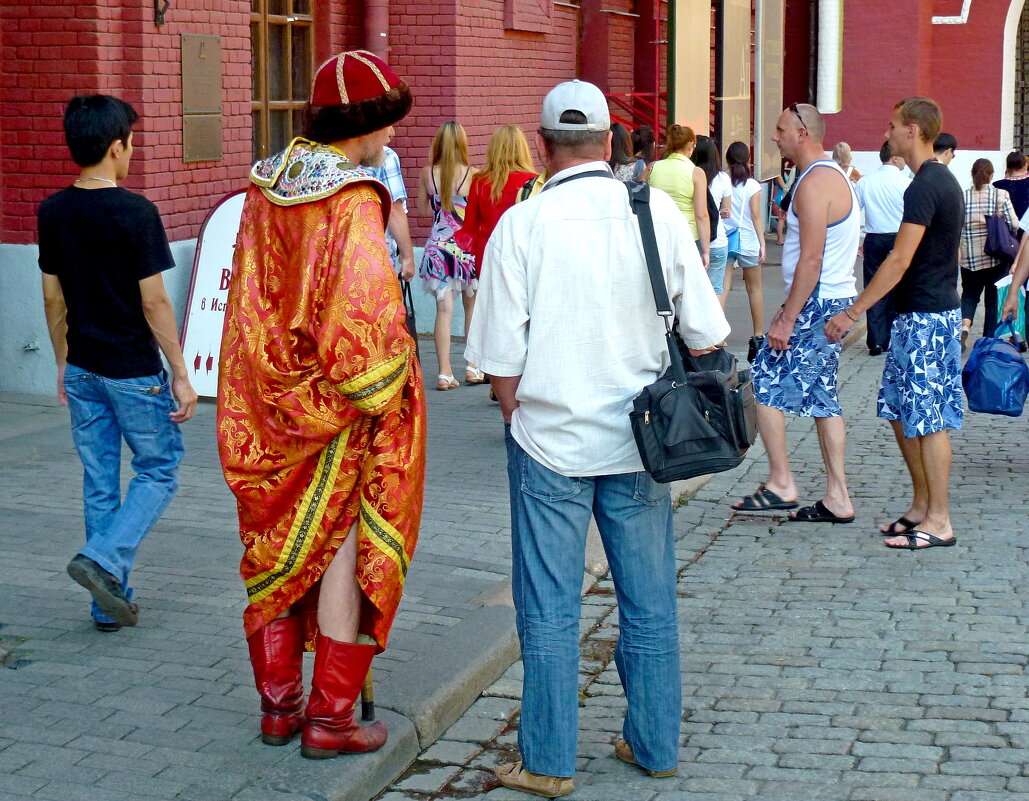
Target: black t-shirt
{"type": "Point", "coordinates": [934, 200]}
{"type": "Point", "coordinates": [1019, 191]}
{"type": "Point", "coordinates": [101, 243]}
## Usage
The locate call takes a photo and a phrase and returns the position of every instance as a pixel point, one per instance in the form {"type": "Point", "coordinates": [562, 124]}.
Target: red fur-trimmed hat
{"type": "Point", "coordinates": [369, 95]}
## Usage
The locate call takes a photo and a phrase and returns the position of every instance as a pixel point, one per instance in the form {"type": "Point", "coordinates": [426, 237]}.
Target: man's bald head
{"type": "Point", "coordinates": [807, 116]}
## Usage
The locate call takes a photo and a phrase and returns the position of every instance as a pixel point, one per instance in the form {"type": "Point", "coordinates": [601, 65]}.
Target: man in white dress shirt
{"type": "Point", "coordinates": [567, 328]}
{"type": "Point", "coordinates": [881, 195]}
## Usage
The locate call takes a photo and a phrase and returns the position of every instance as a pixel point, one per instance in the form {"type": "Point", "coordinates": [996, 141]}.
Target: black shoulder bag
{"type": "Point", "coordinates": [700, 416]}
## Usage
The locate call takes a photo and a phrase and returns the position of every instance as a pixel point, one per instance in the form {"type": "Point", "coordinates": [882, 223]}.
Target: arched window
{"type": "Point", "coordinates": [282, 43]}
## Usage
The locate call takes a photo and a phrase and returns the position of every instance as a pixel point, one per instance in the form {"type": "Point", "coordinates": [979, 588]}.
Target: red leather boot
{"type": "Point", "coordinates": [339, 671]}
{"type": "Point", "coordinates": [277, 653]}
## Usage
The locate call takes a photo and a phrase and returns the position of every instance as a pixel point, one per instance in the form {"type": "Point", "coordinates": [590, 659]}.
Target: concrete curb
{"type": "Point", "coordinates": [424, 698]}
{"type": "Point", "coordinates": [420, 701]}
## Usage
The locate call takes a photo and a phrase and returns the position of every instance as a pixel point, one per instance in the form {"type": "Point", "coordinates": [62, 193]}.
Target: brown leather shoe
{"type": "Point", "coordinates": [518, 778]}
{"type": "Point", "coordinates": [624, 753]}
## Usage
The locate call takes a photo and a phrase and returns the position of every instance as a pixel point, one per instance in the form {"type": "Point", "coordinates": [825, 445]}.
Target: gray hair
{"type": "Point", "coordinates": [577, 143]}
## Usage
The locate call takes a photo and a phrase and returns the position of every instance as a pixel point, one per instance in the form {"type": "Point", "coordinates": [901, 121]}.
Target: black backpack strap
{"type": "Point", "coordinates": [639, 200]}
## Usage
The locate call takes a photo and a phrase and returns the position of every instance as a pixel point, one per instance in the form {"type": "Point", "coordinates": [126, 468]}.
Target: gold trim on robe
{"type": "Point", "coordinates": [321, 410]}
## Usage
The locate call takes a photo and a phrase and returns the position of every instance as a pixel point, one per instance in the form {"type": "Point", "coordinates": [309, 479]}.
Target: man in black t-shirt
{"type": "Point", "coordinates": [921, 385]}
{"type": "Point", "coordinates": [102, 250]}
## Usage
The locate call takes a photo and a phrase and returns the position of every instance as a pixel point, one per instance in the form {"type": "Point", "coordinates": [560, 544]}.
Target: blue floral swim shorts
{"type": "Point", "coordinates": [802, 380]}
{"type": "Point", "coordinates": [921, 383]}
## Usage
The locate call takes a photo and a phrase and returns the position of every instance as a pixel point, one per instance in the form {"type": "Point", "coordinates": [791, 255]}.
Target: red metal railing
{"type": "Point", "coordinates": [641, 109]}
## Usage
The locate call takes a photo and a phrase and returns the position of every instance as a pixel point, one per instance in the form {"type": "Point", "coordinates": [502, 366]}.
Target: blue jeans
{"type": "Point", "coordinates": [716, 272]}
{"type": "Point", "coordinates": [103, 410]}
{"type": "Point", "coordinates": [550, 515]}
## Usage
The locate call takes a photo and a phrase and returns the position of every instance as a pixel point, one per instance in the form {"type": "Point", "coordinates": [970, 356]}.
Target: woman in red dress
{"type": "Point", "coordinates": [493, 191]}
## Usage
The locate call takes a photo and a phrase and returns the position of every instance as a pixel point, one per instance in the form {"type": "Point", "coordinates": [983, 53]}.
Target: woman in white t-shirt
{"type": "Point", "coordinates": [746, 239]}
{"type": "Point", "coordinates": [706, 158]}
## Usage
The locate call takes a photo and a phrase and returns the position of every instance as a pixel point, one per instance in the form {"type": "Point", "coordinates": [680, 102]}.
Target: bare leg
{"type": "Point", "coordinates": [726, 284]}
{"type": "Point", "coordinates": [911, 450]}
{"type": "Point", "coordinates": [771, 424]}
{"type": "Point", "coordinates": [935, 458]}
{"type": "Point", "coordinates": [469, 308]}
{"type": "Point", "coordinates": [752, 280]}
{"type": "Point", "coordinates": [339, 605]}
{"type": "Point", "coordinates": [441, 331]}
{"type": "Point", "coordinates": [779, 226]}
{"type": "Point", "coordinates": [832, 439]}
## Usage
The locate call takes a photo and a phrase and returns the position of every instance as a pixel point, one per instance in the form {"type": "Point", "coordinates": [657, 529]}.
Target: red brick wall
{"type": "Point", "coordinates": [971, 106]}
{"type": "Point", "coordinates": [113, 47]}
{"type": "Point", "coordinates": [475, 72]}
{"type": "Point", "coordinates": [895, 48]}
{"type": "Point", "coordinates": [621, 43]}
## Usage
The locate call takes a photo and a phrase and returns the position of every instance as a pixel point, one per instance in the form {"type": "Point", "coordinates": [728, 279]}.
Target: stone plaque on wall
{"type": "Point", "coordinates": [201, 137]}
{"type": "Point", "coordinates": [201, 98]}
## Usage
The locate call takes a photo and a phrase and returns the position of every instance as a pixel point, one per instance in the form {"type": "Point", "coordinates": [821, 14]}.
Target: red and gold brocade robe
{"type": "Point", "coordinates": [321, 411]}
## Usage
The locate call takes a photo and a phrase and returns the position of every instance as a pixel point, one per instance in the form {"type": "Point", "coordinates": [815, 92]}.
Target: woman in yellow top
{"type": "Point", "coordinates": [684, 181]}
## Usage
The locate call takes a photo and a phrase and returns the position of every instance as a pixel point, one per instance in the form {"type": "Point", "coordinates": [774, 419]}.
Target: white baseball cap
{"type": "Point", "coordinates": [580, 96]}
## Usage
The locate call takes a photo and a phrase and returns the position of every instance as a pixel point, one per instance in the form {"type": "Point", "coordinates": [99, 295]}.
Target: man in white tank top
{"type": "Point", "coordinates": [795, 370]}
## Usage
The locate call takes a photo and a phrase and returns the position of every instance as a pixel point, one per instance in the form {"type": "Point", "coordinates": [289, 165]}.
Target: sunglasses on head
{"type": "Point", "coordinates": [793, 107]}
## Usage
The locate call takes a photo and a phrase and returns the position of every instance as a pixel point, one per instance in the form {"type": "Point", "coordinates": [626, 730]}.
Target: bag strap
{"type": "Point", "coordinates": [639, 200]}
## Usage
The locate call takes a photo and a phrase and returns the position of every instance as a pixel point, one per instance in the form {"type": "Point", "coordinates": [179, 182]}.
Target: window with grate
{"type": "Point", "coordinates": [282, 43]}
{"type": "Point", "coordinates": [1021, 138]}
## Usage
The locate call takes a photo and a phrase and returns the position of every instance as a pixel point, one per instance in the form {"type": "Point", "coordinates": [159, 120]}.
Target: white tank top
{"type": "Point", "coordinates": [841, 243]}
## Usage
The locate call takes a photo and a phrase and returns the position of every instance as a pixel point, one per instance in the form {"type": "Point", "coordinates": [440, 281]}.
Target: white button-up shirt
{"type": "Point", "coordinates": [881, 195]}
{"type": "Point", "coordinates": [565, 302]}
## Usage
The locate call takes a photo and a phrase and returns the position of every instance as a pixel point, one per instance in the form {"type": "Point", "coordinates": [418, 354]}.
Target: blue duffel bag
{"type": "Point", "coordinates": [995, 377]}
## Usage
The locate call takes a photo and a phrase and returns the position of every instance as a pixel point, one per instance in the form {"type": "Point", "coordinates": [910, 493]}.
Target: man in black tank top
{"type": "Point", "coordinates": [921, 385]}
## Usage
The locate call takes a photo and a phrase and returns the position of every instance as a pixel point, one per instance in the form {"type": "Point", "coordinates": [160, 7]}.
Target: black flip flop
{"type": "Point", "coordinates": [916, 536]}
{"type": "Point", "coordinates": [906, 526]}
{"type": "Point", "coordinates": [764, 500]}
{"type": "Point", "coordinates": [818, 513]}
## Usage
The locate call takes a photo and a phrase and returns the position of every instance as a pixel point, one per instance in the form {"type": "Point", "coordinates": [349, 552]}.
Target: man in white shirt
{"type": "Point", "coordinates": [567, 328]}
{"type": "Point", "coordinates": [881, 195]}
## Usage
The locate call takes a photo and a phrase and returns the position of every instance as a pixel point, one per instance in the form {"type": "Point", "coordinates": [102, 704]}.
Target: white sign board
{"type": "Point", "coordinates": [208, 291]}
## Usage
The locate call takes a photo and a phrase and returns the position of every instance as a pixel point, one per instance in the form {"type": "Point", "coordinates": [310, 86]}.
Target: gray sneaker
{"type": "Point", "coordinates": [106, 590]}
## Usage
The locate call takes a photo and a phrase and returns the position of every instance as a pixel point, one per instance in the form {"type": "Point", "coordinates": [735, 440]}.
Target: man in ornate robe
{"type": "Point", "coordinates": [321, 411]}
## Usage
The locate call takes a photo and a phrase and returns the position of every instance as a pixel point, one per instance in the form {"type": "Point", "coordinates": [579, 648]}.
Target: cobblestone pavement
{"type": "Point", "coordinates": [168, 709]}
{"type": "Point", "coordinates": [817, 664]}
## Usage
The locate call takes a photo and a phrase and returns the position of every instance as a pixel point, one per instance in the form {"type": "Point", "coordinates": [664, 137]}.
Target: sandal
{"type": "Point", "coordinates": [764, 500]}
{"type": "Point", "coordinates": [915, 536]}
{"type": "Point", "coordinates": [445, 382]}
{"type": "Point", "coordinates": [473, 375]}
{"type": "Point", "coordinates": [905, 526]}
{"type": "Point", "coordinates": [818, 513]}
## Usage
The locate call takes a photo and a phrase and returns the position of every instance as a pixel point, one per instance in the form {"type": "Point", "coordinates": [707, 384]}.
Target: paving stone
{"type": "Point", "coordinates": [814, 666]}
{"type": "Point", "coordinates": [450, 752]}
{"type": "Point", "coordinates": [428, 781]}
{"type": "Point", "coordinates": [963, 782]}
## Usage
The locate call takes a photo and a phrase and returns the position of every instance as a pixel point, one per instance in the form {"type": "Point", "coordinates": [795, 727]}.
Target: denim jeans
{"type": "Point", "coordinates": [103, 410]}
{"type": "Point", "coordinates": [550, 515]}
